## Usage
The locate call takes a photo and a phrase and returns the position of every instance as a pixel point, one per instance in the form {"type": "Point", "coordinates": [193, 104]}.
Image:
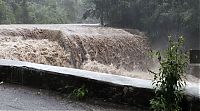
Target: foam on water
{"type": "Point", "coordinates": [94, 48]}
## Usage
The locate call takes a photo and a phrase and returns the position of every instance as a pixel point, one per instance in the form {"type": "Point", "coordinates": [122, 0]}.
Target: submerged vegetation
{"type": "Point", "coordinates": [170, 82]}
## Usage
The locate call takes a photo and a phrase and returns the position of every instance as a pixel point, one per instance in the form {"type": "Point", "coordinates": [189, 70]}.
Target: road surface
{"type": "Point", "coordinates": [16, 97]}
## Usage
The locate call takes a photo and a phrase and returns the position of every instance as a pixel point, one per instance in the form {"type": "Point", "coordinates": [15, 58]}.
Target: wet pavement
{"type": "Point", "coordinates": [16, 97]}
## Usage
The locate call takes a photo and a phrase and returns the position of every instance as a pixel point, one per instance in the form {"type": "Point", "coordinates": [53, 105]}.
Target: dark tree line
{"type": "Point", "coordinates": [157, 17]}
{"type": "Point", "coordinates": [144, 14]}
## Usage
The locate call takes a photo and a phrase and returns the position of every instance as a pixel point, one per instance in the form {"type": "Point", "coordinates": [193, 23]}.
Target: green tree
{"type": "Point", "coordinates": [2, 11]}
{"type": "Point", "coordinates": [39, 11]}
{"type": "Point", "coordinates": [25, 12]}
{"type": "Point", "coordinates": [17, 11]}
{"type": "Point", "coordinates": [6, 15]}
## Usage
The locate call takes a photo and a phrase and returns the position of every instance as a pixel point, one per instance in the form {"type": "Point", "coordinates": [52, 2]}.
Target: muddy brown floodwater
{"type": "Point", "coordinates": [101, 49]}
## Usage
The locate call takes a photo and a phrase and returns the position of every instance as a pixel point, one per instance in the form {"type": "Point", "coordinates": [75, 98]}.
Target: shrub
{"type": "Point", "coordinates": [79, 93]}
{"type": "Point", "coordinates": [169, 83]}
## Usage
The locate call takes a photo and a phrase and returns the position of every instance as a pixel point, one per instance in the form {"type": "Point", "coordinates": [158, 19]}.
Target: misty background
{"type": "Point", "coordinates": [156, 18]}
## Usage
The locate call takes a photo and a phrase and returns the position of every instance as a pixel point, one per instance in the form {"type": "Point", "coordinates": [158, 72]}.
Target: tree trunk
{"type": "Point", "coordinates": [102, 21]}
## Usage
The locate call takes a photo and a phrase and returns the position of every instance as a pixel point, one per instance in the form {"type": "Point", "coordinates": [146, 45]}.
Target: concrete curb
{"type": "Point", "coordinates": [192, 89]}
{"type": "Point", "coordinates": [109, 78]}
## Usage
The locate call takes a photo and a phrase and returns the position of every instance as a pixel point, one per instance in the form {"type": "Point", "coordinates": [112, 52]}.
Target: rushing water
{"type": "Point", "coordinates": [94, 48]}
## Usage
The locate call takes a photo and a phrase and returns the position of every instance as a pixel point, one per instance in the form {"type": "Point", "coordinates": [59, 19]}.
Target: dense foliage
{"type": "Point", "coordinates": [170, 82]}
{"type": "Point", "coordinates": [149, 15]}
{"type": "Point", "coordinates": [39, 11]}
{"type": "Point", "coordinates": [145, 14]}
{"type": "Point", "coordinates": [156, 17]}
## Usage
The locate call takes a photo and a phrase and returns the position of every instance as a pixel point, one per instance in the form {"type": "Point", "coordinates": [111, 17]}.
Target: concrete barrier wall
{"type": "Point", "coordinates": [114, 88]}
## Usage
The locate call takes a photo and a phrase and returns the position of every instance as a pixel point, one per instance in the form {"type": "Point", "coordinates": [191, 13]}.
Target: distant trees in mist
{"type": "Point", "coordinates": [40, 11]}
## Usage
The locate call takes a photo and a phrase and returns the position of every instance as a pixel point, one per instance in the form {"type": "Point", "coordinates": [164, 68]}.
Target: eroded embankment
{"type": "Point", "coordinates": [98, 49]}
